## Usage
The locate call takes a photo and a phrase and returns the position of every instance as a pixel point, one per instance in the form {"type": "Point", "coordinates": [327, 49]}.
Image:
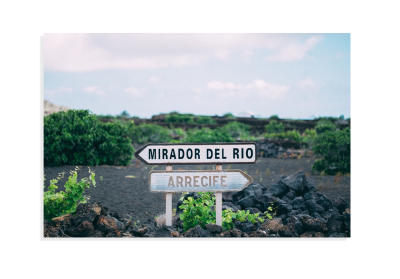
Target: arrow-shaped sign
{"type": "Point", "coordinates": [198, 181]}
{"type": "Point", "coordinates": [198, 153]}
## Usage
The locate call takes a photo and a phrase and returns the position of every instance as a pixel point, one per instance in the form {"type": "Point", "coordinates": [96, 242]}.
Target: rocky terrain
{"type": "Point", "coordinates": [301, 211]}
{"type": "Point", "coordinates": [49, 108]}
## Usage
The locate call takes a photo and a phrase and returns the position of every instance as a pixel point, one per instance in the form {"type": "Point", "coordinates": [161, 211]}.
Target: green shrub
{"type": "Point", "coordinates": [206, 120]}
{"type": "Point", "coordinates": [274, 117]}
{"type": "Point", "coordinates": [207, 135]}
{"type": "Point", "coordinates": [308, 136]}
{"type": "Point", "coordinates": [228, 115]}
{"type": "Point", "coordinates": [145, 133]}
{"type": "Point", "coordinates": [274, 127]}
{"type": "Point", "coordinates": [293, 135]}
{"type": "Point", "coordinates": [77, 137]}
{"type": "Point", "coordinates": [60, 203]}
{"type": "Point", "coordinates": [236, 129]}
{"type": "Point", "coordinates": [175, 117]}
{"type": "Point", "coordinates": [335, 149]}
{"type": "Point", "coordinates": [199, 212]}
{"type": "Point", "coordinates": [325, 125]}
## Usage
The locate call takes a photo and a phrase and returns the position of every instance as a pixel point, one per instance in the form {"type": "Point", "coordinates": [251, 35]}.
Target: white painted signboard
{"type": "Point", "coordinates": [192, 153]}
{"type": "Point", "coordinates": [198, 181]}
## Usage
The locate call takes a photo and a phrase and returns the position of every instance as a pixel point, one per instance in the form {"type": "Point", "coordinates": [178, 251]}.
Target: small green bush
{"type": "Point", "coordinates": [175, 117]}
{"type": "Point", "coordinates": [335, 149]}
{"type": "Point", "coordinates": [145, 133]}
{"type": "Point", "coordinates": [60, 203]}
{"type": "Point", "coordinates": [207, 135]}
{"type": "Point", "coordinates": [205, 120]}
{"type": "Point", "coordinates": [325, 125]}
{"type": "Point", "coordinates": [77, 137]}
{"type": "Point", "coordinates": [236, 129]}
{"type": "Point", "coordinates": [199, 212]}
{"type": "Point", "coordinates": [228, 115]}
{"type": "Point", "coordinates": [293, 135]}
{"type": "Point", "coordinates": [274, 127]}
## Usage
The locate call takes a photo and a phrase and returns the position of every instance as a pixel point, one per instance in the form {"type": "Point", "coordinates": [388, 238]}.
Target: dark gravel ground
{"type": "Point", "coordinates": [126, 190]}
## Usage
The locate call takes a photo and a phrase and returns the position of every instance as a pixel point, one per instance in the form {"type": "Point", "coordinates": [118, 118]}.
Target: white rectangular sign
{"type": "Point", "coordinates": [198, 181]}
{"type": "Point", "coordinates": [192, 153]}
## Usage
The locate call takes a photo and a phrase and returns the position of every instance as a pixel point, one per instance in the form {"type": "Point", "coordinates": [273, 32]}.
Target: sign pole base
{"type": "Point", "coordinates": [168, 204]}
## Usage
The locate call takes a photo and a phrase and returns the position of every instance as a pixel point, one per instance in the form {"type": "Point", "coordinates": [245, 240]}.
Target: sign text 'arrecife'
{"type": "Point", "coordinates": [198, 181]}
{"type": "Point", "coordinates": [213, 153]}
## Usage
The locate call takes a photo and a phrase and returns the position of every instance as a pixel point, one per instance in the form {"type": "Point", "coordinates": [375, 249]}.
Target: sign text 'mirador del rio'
{"type": "Point", "coordinates": [198, 153]}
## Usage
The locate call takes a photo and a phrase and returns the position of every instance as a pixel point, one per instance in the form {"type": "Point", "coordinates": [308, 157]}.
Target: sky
{"type": "Point", "coordinates": [298, 76]}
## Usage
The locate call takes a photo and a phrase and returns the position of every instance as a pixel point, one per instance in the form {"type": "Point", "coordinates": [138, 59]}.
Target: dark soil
{"type": "Point", "coordinates": [125, 189]}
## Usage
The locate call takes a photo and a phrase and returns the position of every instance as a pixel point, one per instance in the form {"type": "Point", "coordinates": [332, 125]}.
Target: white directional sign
{"type": "Point", "coordinates": [198, 153]}
{"type": "Point", "coordinates": [198, 181]}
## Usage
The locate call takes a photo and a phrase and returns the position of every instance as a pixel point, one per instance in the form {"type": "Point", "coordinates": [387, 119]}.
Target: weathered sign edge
{"type": "Point", "coordinates": [251, 180]}
{"type": "Point", "coordinates": [137, 156]}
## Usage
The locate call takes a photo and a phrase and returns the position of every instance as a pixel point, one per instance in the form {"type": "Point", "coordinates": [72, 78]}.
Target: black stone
{"type": "Point", "coordinates": [335, 223]}
{"type": "Point", "coordinates": [341, 204]}
{"type": "Point", "coordinates": [279, 190]}
{"type": "Point", "coordinates": [312, 206]}
{"type": "Point", "coordinates": [290, 195]}
{"type": "Point", "coordinates": [298, 202]}
{"type": "Point", "coordinates": [296, 182]}
{"type": "Point", "coordinates": [249, 201]}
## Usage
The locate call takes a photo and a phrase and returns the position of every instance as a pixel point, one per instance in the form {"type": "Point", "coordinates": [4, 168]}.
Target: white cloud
{"type": "Point", "coordinates": [94, 90]}
{"type": "Point", "coordinates": [294, 50]}
{"type": "Point", "coordinates": [133, 92]}
{"type": "Point", "coordinates": [152, 80]}
{"type": "Point", "coordinates": [308, 84]}
{"type": "Point", "coordinates": [96, 52]}
{"type": "Point", "coordinates": [218, 85]}
{"type": "Point", "coordinates": [59, 90]}
{"type": "Point", "coordinates": [258, 88]}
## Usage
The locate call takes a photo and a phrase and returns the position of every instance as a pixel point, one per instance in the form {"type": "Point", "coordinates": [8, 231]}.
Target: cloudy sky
{"type": "Point", "coordinates": [291, 75]}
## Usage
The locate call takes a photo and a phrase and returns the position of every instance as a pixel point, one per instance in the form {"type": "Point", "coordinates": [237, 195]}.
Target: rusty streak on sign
{"type": "Point", "coordinates": [198, 153]}
{"type": "Point", "coordinates": [198, 181]}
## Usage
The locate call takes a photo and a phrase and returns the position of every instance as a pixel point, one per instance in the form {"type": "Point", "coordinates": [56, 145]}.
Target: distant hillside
{"type": "Point", "coordinates": [50, 108]}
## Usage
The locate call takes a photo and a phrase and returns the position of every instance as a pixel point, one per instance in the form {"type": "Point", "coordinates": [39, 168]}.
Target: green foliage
{"type": "Point", "coordinates": [325, 125]}
{"type": "Point", "coordinates": [199, 212]}
{"type": "Point", "coordinates": [206, 120]}
{"type": "Point", "coordinates": [274, 127]}
{"type": "Point", "coordinates": [77, 137]}
{"type": "Point", "coordinates": [236, 129]}
{"type": "Point", "coordinates": [293, 135]}
{"type": "Point", "coordinates": [274, 117]}
{"type": "Point", "coordinates": [334, 146]}
{"type": "Point", "coordinates": [175, 117]}
{"type": "Point", "coordinates": [124, 114]}
{"type": "Point", "coordinates": [308, 136]}
{"type": "Point", "coordinates": [207, 135]}
{"type": "Point", "coordinates": [60, 203]}
{"type": "Point", "coordinates": [228, 115]}
{"type": "Point", "coordinates": [145, 133]}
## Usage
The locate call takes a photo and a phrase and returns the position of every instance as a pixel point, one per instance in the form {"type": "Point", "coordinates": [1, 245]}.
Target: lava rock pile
{"type": "Point", "coordinates": [300, 212]}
